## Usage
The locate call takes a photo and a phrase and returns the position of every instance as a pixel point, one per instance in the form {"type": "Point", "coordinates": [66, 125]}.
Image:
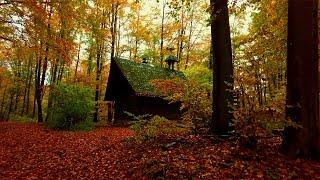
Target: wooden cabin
{"type": "Point", "coordinates": [130, 89]}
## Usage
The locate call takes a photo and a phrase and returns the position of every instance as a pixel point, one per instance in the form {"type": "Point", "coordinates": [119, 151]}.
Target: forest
{"type": "Point", "coordinates": [159, 89]}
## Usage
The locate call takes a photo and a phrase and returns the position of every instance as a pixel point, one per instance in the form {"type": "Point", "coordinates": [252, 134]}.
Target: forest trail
{"type": "Point", "coordinates": [30, 151]}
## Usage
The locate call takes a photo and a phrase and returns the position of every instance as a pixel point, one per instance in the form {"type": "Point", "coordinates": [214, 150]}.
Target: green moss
{"type": "Point", "coordinates": [139, 75]}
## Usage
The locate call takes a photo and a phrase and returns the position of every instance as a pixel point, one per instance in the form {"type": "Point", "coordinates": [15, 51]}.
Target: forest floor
{"type": "Point", "coordinates": [29, 151]}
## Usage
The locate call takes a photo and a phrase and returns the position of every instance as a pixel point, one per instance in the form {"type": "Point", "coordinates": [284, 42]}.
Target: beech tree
{"type": "Point", "coordinates": [222, 66]}
{"type": "Point", "coordinates": [302, 101]}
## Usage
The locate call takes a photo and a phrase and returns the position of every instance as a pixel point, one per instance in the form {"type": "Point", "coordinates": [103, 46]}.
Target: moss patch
{"type": "Point", "coordinates": [139, 75]}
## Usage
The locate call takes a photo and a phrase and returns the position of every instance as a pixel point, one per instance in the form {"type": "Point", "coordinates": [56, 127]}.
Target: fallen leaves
{"type": "Point", "coordinates": [203, 158]}
{"type": "Point", "coordinates": [28, 151]}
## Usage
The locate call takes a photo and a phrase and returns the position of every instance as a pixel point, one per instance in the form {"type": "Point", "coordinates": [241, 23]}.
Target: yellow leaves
{"type": "Point", "coordinates": [170, 29]}
{"type": "Point", "coordinates": [55, 22]}
{"type": "Point", "coordinates": [135, 7]}
{"type": "Point", "coordinates": [5, 51]}
{"type": "Point", "coordinates": [2, 70]}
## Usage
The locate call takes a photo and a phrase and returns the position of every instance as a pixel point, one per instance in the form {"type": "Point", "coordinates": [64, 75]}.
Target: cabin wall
{"type": "Point", "coordinates": [125, 103]}
{"type": "Point", "coordinates": [145, 105]}
{"type": "Point", "coordinates": [158, 106]}
{"type": "Point", "coordinates": [120, 91]}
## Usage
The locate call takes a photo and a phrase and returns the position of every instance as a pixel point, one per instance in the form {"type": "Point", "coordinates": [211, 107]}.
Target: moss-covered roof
{"type": "Point", "coordinates": [139, 75]}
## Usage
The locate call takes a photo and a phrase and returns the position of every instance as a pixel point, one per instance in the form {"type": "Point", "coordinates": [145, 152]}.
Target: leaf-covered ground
{"type": "Point", "coordinates": [30, 151]}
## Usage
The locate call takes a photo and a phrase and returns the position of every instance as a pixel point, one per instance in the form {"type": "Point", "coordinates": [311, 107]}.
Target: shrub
{"type": "Point", "coordinates": [24, 119]}
{"type": "Point", "coordinates": [157, 126]}
{"type": "Point", "coordinates": [195, 98]}
{"type": "Point", "coordinates": [200, 74]}
{"type": "Point", "coordinates": [252, 120]}
{"type": "Point", "coordinates": [86, 125]}
{"type": "Point", "coordinates": [72, 107]}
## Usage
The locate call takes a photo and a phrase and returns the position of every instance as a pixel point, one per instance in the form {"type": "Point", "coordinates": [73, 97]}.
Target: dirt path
{"type": "Point", "coordinates": [30, 151]}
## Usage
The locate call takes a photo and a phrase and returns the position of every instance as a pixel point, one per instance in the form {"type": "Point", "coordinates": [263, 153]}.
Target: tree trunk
{"type": "Point", "coordinates": [40, 93]}
{"type": "Point", "coordinates": [113, 32]}
{"type": "Point", "coordinates": [113, 29]}
{"type": "Point", "coordinates": [36, 82]}
{"type": "Point", "coordinates": [53, 82]}
{"type": "Point", "coordinates": [118, 39]}
{"type": "Point", "coordinates": [189, 40]}
{"type": "Point", "coordinates": [89, 68]}
{"type": "Point", "coordinates": [41, 80]}
{"type": "Point", "coordinates": [10, 106]}
{"type": "Point", "coordinates": [24, 96]}
{"type": "Point", "coordinates": [136, 37]}
{"type": "Point", "coordinates": [26, 93]}
{"type": "Point", "coordinates": [302, 101]}
{"type": "Point", "coordinates": [222, 67]}
{"type": "Point", "coordinates": [162, 34]}
{"type": "Point", "coordinates": [78, 60]}
{"type": "Point", "coordinates": [38, 89]}
{"type": "Point", "coordinates": [16, 101]}
{"type": "Point", "coordinates": [61, 71]}
{"type": "Point", "coordinates": [3, 102]}
{"type": "Point", "coordinates": [96, 97]}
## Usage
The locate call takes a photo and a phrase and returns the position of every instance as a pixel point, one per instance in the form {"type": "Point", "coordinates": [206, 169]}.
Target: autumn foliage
{"type": "Point", "coordinates": [195, 100]}
{"type": "Point", "coordinates": [55, 60]}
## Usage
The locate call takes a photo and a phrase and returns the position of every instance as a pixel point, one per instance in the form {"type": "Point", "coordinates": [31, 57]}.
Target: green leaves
{"type": "Point", "coordinates": [72, 104]}
{"type": "Point", "coordinates": [201, 75]}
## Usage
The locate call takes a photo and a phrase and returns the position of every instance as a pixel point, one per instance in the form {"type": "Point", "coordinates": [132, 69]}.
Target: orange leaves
{"type": "Point", "coordinates": [169, 87]}
{"type": "Point", "coordinates": [64, 48]}
{"type": "Point", "coordinates": [30, 151]}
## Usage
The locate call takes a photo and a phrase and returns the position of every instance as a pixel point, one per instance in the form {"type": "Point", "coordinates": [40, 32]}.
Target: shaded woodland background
{"type": "Point", "coordinates": [56, 50]}
{"type": "Point", "coordinates": [51, 42]}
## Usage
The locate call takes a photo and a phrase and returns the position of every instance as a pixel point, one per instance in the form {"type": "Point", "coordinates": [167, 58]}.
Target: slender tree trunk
{"type": "Point", "coordinates": [41, 86]}
{"type": "Point", "coordinates": [130, 50]}
{"type": "Point", "coordinates": [36, 82]}
{"type": "Point", "coordinates": [189, 41]}
{"type": "Point", "coordinates": [78, 60]}
{"type": "Point", "coordinates": [27, 87]}
{"type": "Point", "coordinates": [38, 88]}
{"type": "Point", "coordinates": [61, 71]}
{"type": "Point", "coordinates": [34, 107]}
{"type": "Point", "coordinates": [89, 68]}
{"type": "Point", "coordinates": [52, 84]}
{"type": "Point", "coordinates": [222, 67]}
{"type": "Point", "coordinates": [96, 97]}
{"type": "Point", "coordinates": [118, 38]}
{"type": "Point", "coordinates": [16, 101]}
{"type": "Point", "coordinates": [10, 106]}
{"type": "Point", "coordinates": [302, 105]}
{"type": "Point", "coordinates": [99, 66]}
{"type": "Point", "coordinates": [55, 72]}
{"type": "Point", "coordinates": [18, 89]}
{"type": "Point", "coordinates": [136, 49]}
{"type": "Point", "coordinates": [28, 90]}
{"type": "Point", "coordinates": [136, 38]}
{"type": "Point", "coordinates": [113, 29]}
{"type": "Point", "coordinates": [162, 34]}
{"type": "Point", "coordinates": [180, 39]}
{"type": "Point", "coordinates": [113, 34]}
{"type": "Point", "coordinates": [41, 80]}
{"type": "Point", "coordinates": [24, 98]}
{"type": "Point", "coordinates": [3, 102]}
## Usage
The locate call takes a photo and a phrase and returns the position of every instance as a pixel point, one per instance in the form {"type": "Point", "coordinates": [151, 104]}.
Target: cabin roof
{"type": "Point", "coordinates": [139, 76]}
